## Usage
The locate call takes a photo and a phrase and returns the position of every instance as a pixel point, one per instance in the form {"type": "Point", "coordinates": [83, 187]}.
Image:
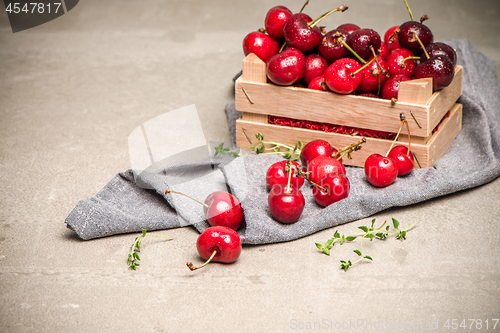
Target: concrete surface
{"type": "Point", "coordinates": [72, 90]}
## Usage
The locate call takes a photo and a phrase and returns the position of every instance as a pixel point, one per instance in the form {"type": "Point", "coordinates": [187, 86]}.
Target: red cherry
{"type": "Point", "coordinates": [362, 40]}
{"type": "Point", "coordinates": [314, 149]}
{"type": "Point", "coordinates": [218, 244]}
{"type": "Point", "coordinates": [334, 187]}
{"type": "Point", "coordinates": [338, 76]}
{"type": "Point", "coordinates": [439, 68]}
{"type": "Point", "coordinates": [330, 49]}
{"type": "Point", "coordinates": [286, 203]}
{"type": "Point", "coordinates": [439, 48]}
{"type": "Point", "coordinates": [286, 67]}
{"type": "Point", "coordinates": [408, 41]}
{"type": "Point", "coordinates": [397, 64]}
{"type": "Point", "coordinates": [276, 175]}
{"type": "Point", "coordinates": [262, 45]}
{"type": "Point", "coordinates": [391, 87]}
{"type": "Point", "coordinates": [392, 43]}
{"type": "Point", "coordinates": [223, 210]}
{"type": "Point", "coordinates": [349, 27]}
{"type": "Point", "coordinates": [299, 35]}
{"type": "Point", "coordinates": [318, 83]}
{"type": "Point", "coordinates": [384, 51]}
{"type": "Point", "coordinates": [404, 160]}
{"type": "Point", "coordinates": [370, 80]}
{"type": "Point", "coordinates": [315, 66]}
{"type": "Point", "coordinates": [323, 165]}
{"type": "Point", "coordinates": [275, 20]}
{"type": "Point", "coordinates": [380, 171]}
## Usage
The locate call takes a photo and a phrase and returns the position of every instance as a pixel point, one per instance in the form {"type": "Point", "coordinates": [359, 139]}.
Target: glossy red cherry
{"type": "Point", "coordinates": [339, 76]}
{"type": "Point", "coordinates": [223, 210]}
{"type": "Point", "coordinates": [398, 62]}
{"type": "Point", "coordinates": [439, 68]}
{"type": "Point", "coordinates": [276, 175]}
{"type": "Point", "coordinates": [380, 171]}
{"type": "Point", "coordinates": [299, 35]}
{"type": "Point", "coordinates": [349, 27]}
{"type": "Point", "coordinates": [408, 41]}
{"type": "Point", "coordinates": [275, 20]}
{"type": "Point", "coordinates": [330, 49]}
{"type": "Point", "coordinates": [218, 244]}
{"type": "Point", "coordinates": [362, 40]}
{"type": "Point", "coordinates": [332, 188]}
{"type": "Point", "coordinates": [286, 203]}
{"type": "Point", "coordinates": [390, 89]}
{"type": "Point", "coordinates": [383, 51]}
{"type": "Point", "coordinates": [319, 167]}
{"type": "Point", "coordinates": [314, 149]}
{"type": "Point", "coordinates": [372, 77]}
{"type": "Point", "coordinates": [439, 48]}
{"type": "Point", "coordinates": [392, 43]}
{"type": "Point", "coordinates": [286, 67]}
{"type": "Point", "coordinates": [262, 45]}
{"type": "Point", "coordinates": [404, 160]}
{"type": "Point", "coordinates": [318, 83]}
{"type": "Point", "coordinates": [315, 66]}
{"type": "Point", "coordinates": [220, 209]}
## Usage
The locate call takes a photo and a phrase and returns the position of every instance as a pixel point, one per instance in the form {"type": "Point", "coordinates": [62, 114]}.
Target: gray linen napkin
{"type": "Point", "coordinates": [472, 159]}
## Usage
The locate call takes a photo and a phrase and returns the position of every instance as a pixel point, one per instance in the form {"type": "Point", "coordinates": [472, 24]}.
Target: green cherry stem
{"type": "Point", "coordinates": [305, 175]}
{"type": "Point", "coordinates": [340, 39]}
{"type": "Point", "coordinates": [409, 138]}
{"type": "Point", "coordinates": [421, 44]}
{"type": "Point", "coordinates": [409, 10]}
{"type": "Point", "coordinates": [304, 6]}
{"type": "Point", "coordinates": [366, 64]}
{"type": "Point", "coordinates": [314, 22]}
{"type": "Point", "coordinates": [408, 58]}
{"type": "Point", "coordinates": [349, 149]}
{"type": "Point", "coordinates": [191, 266]}
{"type": "Point", "coordinates": [167, 191]}
{"type": "Point", "coordinates": [382, 71]}
{"type": "Point", "coordinates": [396, 138]}
{"type": "Point", "coordinates": [289, 167]}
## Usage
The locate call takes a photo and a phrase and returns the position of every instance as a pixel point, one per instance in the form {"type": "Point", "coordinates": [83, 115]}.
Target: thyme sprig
{"type": "Point", "coordinates": [264, 147]}
{"type": "Point", "coordinates": [133, 256]}
{"type": "Point", "coordinates": [371, 232]}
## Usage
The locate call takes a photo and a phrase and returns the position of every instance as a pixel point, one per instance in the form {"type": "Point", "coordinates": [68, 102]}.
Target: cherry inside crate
{"type": "Point", "coordinates": [434, 118]}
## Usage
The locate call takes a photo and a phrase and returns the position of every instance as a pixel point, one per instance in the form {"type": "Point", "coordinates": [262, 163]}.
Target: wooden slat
{"type": "Point", "coordinates": [415, 91]}
{"type": "Point", "coordinates": [448, 130]}
{"type": "Point", "coordinates": [443, 100]}
{"type": "Point", "coordinates": [254, 70]}
{"type": "Point", "coordinates": [255, 117]}
{"type": "Point", "coordinates": [328, 107]}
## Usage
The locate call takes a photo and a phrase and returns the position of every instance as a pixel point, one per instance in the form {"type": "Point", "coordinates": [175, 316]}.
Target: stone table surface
{"type": "Point", "coordinates": [73, 89]}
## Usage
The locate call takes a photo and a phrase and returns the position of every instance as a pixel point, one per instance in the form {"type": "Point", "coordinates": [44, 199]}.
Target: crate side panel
{"type": "Point", "coordinates": [288, 135]}
{"type": "Point", "coordinates": [320, 106]}
{"type": "Point", "coordinates": [448, 130]}
{"type": "Point", "coordinates": [443, 100]}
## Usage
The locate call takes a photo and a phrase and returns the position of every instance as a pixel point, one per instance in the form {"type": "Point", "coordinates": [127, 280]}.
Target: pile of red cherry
{"type": "Point", "coordinates": [348, 59]}
{"type": "Point", "coordinates": [284, 179]}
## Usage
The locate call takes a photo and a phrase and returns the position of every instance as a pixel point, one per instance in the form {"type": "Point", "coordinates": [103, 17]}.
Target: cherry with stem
{"type": "Point", "coordinates": [190, 265]}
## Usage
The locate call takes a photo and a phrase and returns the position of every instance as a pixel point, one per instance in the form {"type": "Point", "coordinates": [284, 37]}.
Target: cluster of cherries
{"type": "Point", "coordinates": [284, 179]}
{"type": "Point", "coordinates": [220, 242]}
{"type": "Point", "coordinates": [348, 59]}
{"type": "Point", "coordinates": [325, 172]}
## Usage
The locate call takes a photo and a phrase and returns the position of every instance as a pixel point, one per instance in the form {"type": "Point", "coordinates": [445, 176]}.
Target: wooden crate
{"type": "Point", "coordinates": [424, 110]}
